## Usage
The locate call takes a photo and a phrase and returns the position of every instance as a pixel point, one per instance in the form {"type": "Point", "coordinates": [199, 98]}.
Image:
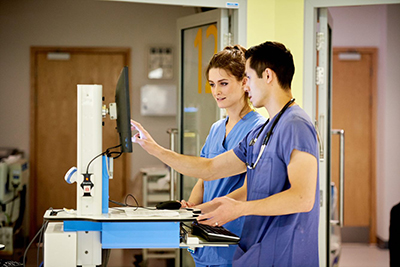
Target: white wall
{"type": "Point", "coordinates": [377, 26]}
{"type": "Point", "coordinates": [358, 25]}
{"type": "Point", "coordinates": [25, 23]}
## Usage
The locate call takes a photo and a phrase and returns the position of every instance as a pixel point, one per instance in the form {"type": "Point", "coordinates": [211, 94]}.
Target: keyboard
{"type": "Point", "coordinates": [214, 233]}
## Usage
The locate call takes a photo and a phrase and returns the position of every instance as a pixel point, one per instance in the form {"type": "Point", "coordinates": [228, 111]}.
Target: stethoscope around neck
{"type": "Point", "coordinates": [252, 166]}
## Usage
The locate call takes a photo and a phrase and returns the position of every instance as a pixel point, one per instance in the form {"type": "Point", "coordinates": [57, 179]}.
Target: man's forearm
{"type": "Point", "coordinates": [187, 165]}
{"type": "Point", "coordinates": [224, 165]}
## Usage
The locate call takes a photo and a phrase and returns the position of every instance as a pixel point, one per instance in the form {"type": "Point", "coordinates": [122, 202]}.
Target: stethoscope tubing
{"type": "Point", "coordinates": [252, 166]}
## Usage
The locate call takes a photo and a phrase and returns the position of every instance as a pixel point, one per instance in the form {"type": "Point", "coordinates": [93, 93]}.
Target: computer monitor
{"type": "Point", "coordinates": [124, 111]}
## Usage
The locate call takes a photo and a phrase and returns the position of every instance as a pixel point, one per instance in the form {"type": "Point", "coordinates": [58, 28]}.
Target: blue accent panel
{"type": "Point", "coordinates": [140, 235]}
{"type": "Point", "coordinates": [73, 226]}
{"type": "Point", "coordinates": [104, 199]}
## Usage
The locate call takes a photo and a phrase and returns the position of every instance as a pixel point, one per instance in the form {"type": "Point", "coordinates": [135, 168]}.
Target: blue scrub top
{"type": "Point", "coordinates": [287, 240]}
{"type": "Point", "coordinates": [216, 144]}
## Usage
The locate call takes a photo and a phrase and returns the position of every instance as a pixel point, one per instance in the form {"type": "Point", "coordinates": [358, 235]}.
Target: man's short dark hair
{"type": "Point", "coordinates": [275, 56]}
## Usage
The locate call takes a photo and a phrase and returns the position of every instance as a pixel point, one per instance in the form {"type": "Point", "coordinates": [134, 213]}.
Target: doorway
{"type": "Point", "coordinates": [381, 37]}
{"type": "Point", "coordinates": [354, 111]}
{"type": "Point", "coordinates": [55, 73]}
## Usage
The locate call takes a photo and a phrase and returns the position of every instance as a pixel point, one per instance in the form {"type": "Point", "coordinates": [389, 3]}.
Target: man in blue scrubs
{"type": "Point", "coordinates": [281, 159]}
{"type": "Point", "coordinates": [226, 76]}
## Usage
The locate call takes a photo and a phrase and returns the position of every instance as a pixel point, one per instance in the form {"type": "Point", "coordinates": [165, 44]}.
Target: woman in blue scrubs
{"type": "Point", "coordinates": [226, 76]}
{"type": "Point", "coordinates": [281, 158]}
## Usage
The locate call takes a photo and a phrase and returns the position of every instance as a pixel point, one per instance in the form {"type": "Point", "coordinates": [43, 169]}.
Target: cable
{"type": "Point", "coordinates": [108, 153]}
{"type": "Point", "coordinates": [126, 201]}
{"type": "Point", "coordinates": [114, 147]}
{"type": "Point", "coordinates": [38, 249]}
{"type": "Point", "coordinates": [128, 205]}
{"type": "Point", "coordinates": [114, 152]}
{"type": "Point", "coordinates": [119, 154]}
{"type": "Point", "coordinates": [117, 203]}
{"type": "Point", "coordinates": [44, 225]}
{"type": "Point", "coordinates": [87, 169]}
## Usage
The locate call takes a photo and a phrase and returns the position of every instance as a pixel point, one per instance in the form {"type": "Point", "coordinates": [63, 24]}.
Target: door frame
{"type": "Point", "coordinates": [374, 96]}
{"type": "Point", "coordinates": [33, 100]}
{"type": "Point", "coordinates": [323, 124]}
{"type": "Point", "coordinates": [220, 16]}
{"type": "Point", "coordinates": [239, 8]}
{"type": "Point", "coordinates": [310, 65]}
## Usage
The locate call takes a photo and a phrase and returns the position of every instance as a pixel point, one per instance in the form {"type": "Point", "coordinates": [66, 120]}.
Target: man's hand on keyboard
{"type": "Point", "coordinates": [219, 211]}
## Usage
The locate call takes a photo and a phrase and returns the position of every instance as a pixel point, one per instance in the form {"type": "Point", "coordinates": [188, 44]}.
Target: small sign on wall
{"type": "Point", "coordinates": [160, 63]}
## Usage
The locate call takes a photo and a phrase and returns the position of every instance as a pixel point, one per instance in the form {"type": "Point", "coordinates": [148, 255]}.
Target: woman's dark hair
{"type": "Point", "coordinates": [275, 56]}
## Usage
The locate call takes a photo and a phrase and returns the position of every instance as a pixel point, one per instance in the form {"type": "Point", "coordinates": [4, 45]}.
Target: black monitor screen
{"type": "Point", "coordinates": [124, 111]}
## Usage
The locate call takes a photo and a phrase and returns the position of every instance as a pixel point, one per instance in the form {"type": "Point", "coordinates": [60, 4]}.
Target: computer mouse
{"type": "Point", "coordinates": [169, 205]}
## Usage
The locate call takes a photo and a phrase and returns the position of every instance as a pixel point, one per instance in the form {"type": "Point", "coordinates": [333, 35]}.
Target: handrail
{"type": "Point", "coordinates": [341, 176]}
{"type": "Point", "coordinates": [172, 173]}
